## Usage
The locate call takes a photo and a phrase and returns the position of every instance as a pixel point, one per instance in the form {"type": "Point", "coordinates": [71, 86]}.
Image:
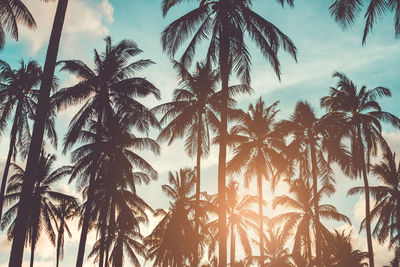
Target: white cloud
{"type": "Point", "coordinates": [85, 20]}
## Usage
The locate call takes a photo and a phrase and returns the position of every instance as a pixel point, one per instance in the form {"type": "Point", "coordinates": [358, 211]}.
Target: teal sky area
{"type": "Point", "coordinates": [323, 47]}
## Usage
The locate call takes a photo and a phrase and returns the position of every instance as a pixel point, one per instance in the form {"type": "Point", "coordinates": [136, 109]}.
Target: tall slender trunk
{"type": "Point", "coordinates": [32, 254]}
{"type": "Point", "coordinates": [10, 154]}
{"type": "Point", "coordinates": [316, 207]}
{"type": "Point", "coordinates": [260, 218]}
{"type": "Point", "coordinates": [60, 235]}
{"type": "Point", "coordinates": [197, 208]}
{"type": "Point", "coordinates": [86, 219]}
{"type": "Point", "coordinates": [367, 200]}
{"type": "Point", "coordinates": [223, 62]}
{"type": "Point", "coordinates": [397, 250]}
{"type": "Point", "coordinates": [103, 236]}
{"type": "Point", "coordinates": [17, 249]}
{"type": "Point", "coordinates": [233, 245]}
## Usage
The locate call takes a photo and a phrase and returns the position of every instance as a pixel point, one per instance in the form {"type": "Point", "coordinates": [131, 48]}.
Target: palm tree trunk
{"type": "Point", "coordinates": [367, 200]}
{"type": "Point", "coordinates": [233, 245]}
{"type": "Point", "coordinates": [260, 218]}
{"type": "Point", "coordinates": [17, 249]}
{"type": "Point", "coordinates": [197, 208]}
{"type": "Point", "coordinates": [33, 245]}
{"type": "Point", "coordinates": [58, 251]}
{"type": "Point", "coordinates": [223, 64]}
{"type": "Point", "coordinates": [102, 241]}
{"type": "Point", "coordinates": [397, 251]}
{"type": "Point", "coordinates": [368, 216]}
{"type": "Point", "coordinates": [86, 219]}
{"type": "Point", "coordinates": [10, 155]}
{"type": "Point", "coordinates": [316, 207]}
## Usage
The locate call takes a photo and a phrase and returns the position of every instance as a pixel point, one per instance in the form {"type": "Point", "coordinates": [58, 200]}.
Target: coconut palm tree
{"type": "Point", "coordinates": [121, 170]}
{"type": "Point", "coordinates": [345, 13]}
{"type": "Point", "coordinates": [241, 218]}
{"type": "Point", "coordinates": [387, 197]}
{"type": "Point", "coordinates": [108, 153]}
{"type": "Point", "coordinates": [109, 89]}
{"type": "Point", "coordinates": [277, 255]}
{"type": "Point", "coordinates": [315, 143]}
{"type": "Point", "coordinates": [66, 210]}
{"type": "Point", "coordinates": [126, 238]}
{"type": "Point", "coordinates": [18, 95]}
{"type": "Point", "coordinates": [41, 212]}
{"type": "Point", "coordinates": [225, 23]}
{"type": "Point", "coordinates": [170, 242]}
{"type": "Point", "coordinates": [13, 12]}
{"type": "Point", "coordinates": [342, 252]}
{"type": "Point", "coordinates": [301, 222]}
{"type": "Point", "coordinates": [188, 115]}
{"type": "Point", "coordinates": [363, 116]}
{"type": "Point", "coordinates": [43, 104]}
{"type": "Point", "coordinates": [257, 149]}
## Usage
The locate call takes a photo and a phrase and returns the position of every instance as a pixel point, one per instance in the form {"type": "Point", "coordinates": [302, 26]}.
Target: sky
{"type": "Point", "coordinates": [323, 48]}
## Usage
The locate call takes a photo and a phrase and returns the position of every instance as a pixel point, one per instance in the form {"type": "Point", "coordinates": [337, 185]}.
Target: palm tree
{"type": "Point", "coordinates": [13, 12]}
{"type": "Point", "coordinates": [43, 103]}
{"type": "Point", "coordinates": [343, 253]}
{"type": "Point", "coordinates": [257, 149]}
{"type": "Point", "coordinates": [109, 89]}
{"type": "Point", "coordinates": [314, 145]}
{"type": "Point", "coordinates": [240, 219]}
{"type": "Point", "coordinates": [170, 242]}
{"type": "Point", "coordinates": [363, 115]}
{"type": "Point", "coordinates": [121, 169]}
{"type": "Point", "coordinates": [126, 238]}
{"type": "Point", "coordinates": [345, 13]}
{"type": "Point", "coordinates": [387, 197]}
{"type": "Point", "coordinates": [63, 212]}
{"type": "Point", "coordinates": [41, 212]}
{"type": "Point", "coordinates": [301, 222]}
{"type": "Point", "coordinates": [188, 115]}
{"type": "Point", "coordinates": [107, 153]}
{"type": "Point", "coordinates": [277, 255]}
{"type": "Point", "coordinates": [18, 96]}
{"type": "Point", "coordinates": [225, 23]}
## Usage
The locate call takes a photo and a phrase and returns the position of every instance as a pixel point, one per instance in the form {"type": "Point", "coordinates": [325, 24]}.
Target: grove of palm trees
{"type": "Point", "coordinates": [200, 133]}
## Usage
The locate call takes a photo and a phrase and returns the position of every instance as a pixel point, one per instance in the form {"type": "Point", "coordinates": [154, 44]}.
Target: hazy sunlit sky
{"type": "Point", "coordinates": [322, 49]}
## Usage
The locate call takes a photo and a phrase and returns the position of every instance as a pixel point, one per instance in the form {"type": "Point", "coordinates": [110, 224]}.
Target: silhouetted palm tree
{"type": "Point", "coordinates": [119, 172]}
{"type": "Point", "coordinates": [18, 95]}
{"type": "Point", "coordinates": [241, 218]}
{"type": "Point", "coordinates": [225, 23]}
{"type": "Point", "coordinates": [387, 196]}
{"type": "Point", "coordinates": [170, 242]}
{"type": "Point", "coordinates": [257, 152]}
{"type": "Point", "coordinates": [276, 252]}
{"type": "Point", "coordinates": [108, 89]}
{"type": "Point", "coordinates": [345, 13]}
{"type": "Point", "coordinates": [126, 239]}
{"type": "Point", "coordinates": [363, 115]}
{"type": "Point", "coordinates": [66, 210]}
{"type": "Point", "coordinates": [107, 153]}
{"type": "Point", "coordinates": [43, 104]}
{"type": "Point", "coordinates": [301, 222]}
{"type": "Point", "coordinates": [342, 252]}
{"type": "Point", "coordinates": [314, 145]}
{"type": "Point", "coordinates": [41, 212]}
{"type": "Point", "coordinates": [12, 13]}
{"type": "Point", "coordinates": [187, 115]}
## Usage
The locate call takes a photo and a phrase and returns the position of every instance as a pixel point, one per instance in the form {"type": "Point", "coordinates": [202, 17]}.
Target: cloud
{"type": "Point", "coordinates": [85, 21]}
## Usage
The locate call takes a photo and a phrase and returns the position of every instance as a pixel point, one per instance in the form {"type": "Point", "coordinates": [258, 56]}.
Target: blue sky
{"type": "Point", "coordinates": [322, 49]}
